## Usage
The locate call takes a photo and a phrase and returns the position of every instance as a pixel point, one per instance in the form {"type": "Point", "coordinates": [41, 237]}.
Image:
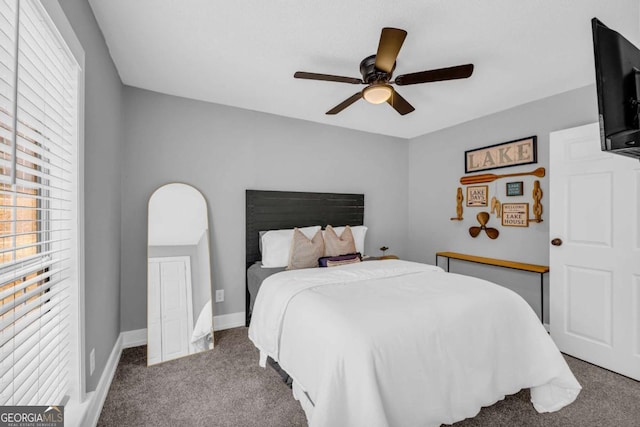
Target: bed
{"type": "Point", "coordinates": [397, 343]}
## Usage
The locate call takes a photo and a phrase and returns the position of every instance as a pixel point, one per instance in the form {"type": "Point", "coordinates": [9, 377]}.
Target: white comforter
{"type": "Point", "coordinates": [395, 343]}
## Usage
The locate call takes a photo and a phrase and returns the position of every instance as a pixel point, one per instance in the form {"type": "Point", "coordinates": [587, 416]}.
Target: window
{"type": "Point", "coordinates": [38, 206]}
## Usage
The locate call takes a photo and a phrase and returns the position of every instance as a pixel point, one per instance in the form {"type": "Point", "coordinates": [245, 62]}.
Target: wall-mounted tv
{"type": "Point", "coordinates": [617, 63]}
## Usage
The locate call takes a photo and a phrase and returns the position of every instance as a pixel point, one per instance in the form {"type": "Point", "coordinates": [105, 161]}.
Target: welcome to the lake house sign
{"type": "Point", "coordinates": [512, 153]}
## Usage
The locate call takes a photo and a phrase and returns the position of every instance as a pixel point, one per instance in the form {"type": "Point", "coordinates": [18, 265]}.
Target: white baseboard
{"type": "Point", "coordinates": [96, 398]}
{"type": "Point", "coordinates": [134, 338]}
{"type": "Point", "coordinates": [228, 321]}
{"type": "Point", "coordinates": [224, 321]}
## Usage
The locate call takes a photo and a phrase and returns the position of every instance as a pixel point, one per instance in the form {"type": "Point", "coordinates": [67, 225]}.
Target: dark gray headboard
{"type": "Point", "coordinates": [274, 210]}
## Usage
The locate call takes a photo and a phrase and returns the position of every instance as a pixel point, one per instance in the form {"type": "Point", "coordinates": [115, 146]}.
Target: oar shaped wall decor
{"type": "Point", "coordinates": [490, 177]}
{"type": "Point", "coordinates": [483, 218]}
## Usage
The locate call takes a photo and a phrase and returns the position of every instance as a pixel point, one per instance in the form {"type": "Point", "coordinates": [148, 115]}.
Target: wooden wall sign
{"type": "Point", "coordinates": [518, 152]}
{"type": "Point", "coordinates": [477, 195]}
{"type": "Point", "coordinates": [515, 214]}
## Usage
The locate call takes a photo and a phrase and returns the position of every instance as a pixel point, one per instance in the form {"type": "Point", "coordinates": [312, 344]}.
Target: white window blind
{"type": "Point", "coordinates": [38, 180]}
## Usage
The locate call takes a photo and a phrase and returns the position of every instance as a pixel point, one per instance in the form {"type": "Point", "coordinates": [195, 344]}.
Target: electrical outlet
{"type": "Point", "coordinates": [220, 295]}
{"type": "Point", "coordinates": [92, 361]}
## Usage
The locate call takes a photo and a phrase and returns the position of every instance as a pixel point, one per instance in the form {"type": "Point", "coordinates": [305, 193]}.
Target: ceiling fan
{"type": "Point", "coordinates": [377, 71]}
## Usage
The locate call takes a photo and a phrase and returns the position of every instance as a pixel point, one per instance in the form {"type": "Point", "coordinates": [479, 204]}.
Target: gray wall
{"type": "Point", "coordinates": [222, 151]}
{"type": "Point", "coordinates": [436, 163]}
{"type": "Point", "coordinates": [103, 146]}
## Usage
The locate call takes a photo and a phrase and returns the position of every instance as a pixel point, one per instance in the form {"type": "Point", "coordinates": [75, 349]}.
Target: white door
{"type": "Point", "coordinates": [170, 318]}
{"type": "Point", "coordinates": [595, 264]}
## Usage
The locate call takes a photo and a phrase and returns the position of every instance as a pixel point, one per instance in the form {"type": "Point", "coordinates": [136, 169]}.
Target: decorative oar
{"type": "Point", "coordinates": [483, 218]}
{"type": "Point", "coordinates": [490, 177]}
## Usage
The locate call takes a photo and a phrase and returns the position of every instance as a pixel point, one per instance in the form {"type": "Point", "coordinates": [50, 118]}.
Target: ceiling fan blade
{"type": "Point", "coordinates": [450, 73]}
{"type": "Point", "coordinates": [344, 104]}
{"type": "Point", "coordinates": [400, 104]}
{"type": "Point", "coordinates": [327, 77]}
{"type": "Point", "coordinates": [391, 40]}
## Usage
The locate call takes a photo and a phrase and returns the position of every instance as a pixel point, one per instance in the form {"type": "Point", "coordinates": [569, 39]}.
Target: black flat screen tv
{"type": "Point", "coordinates": [617, 63]}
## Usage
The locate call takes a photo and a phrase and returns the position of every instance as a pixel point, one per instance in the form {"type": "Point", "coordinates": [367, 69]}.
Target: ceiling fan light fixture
{"type": "Point", "coordinates": [377, 93]}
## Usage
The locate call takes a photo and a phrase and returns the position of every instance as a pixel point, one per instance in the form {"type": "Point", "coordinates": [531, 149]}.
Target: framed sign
{"type": "Point", "coordinates": [515, 214]}
{"type": "Point", "coordinates": [477, 195]}
{"type": "Point", "coordinates": [503, 155]}
{"type": "Point", "coordinates": [515, 188]}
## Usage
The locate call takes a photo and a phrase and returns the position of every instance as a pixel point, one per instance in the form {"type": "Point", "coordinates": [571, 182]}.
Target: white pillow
{"type": "Point", "coordinates": [276, 246]}
{"type": "Point", "coordinates": [358, 231]}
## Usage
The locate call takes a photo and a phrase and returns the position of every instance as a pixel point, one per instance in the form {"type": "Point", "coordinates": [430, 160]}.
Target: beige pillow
{"type": "Point", "coordinates": [334, 245]}
{"type": "Point", "coordinates": [305, 252]}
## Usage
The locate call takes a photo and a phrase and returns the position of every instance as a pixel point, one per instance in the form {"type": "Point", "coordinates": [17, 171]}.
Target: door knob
{"type": "Point", "coordinates": [556, 242]}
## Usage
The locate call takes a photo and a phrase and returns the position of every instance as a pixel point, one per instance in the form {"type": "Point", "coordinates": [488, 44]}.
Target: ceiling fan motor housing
{"type": "Point", "coordinates": [370, 74]}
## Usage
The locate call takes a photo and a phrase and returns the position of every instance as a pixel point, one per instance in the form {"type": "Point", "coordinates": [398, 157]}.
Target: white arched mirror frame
{"type": "Point", "coordinates": [179, 305]}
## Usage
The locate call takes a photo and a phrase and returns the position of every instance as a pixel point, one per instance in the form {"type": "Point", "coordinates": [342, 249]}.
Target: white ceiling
{"type": "Point", "coordinates": [244, 53]}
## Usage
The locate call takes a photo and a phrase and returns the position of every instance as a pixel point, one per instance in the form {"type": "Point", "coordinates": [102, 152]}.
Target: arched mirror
{"type": "Point", "coordinates": [179, 308]}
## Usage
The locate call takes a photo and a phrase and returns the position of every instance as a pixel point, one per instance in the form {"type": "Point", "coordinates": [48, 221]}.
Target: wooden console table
{"type": "Point", "coordinates": [533, 268]}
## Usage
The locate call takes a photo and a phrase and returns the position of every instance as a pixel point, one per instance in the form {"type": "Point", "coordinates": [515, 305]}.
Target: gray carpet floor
{"type": "Point", "coordinates": [226, 387]}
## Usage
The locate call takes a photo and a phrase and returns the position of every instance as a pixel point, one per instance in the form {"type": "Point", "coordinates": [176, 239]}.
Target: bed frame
{"type": "Point", "coordinates": [274, 210]}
